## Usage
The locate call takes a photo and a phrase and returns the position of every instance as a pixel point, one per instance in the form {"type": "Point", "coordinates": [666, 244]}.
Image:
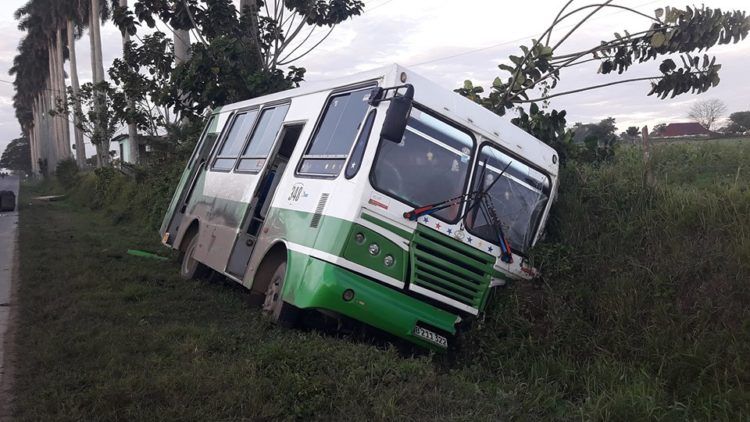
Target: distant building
{"type": "Point", "coordinates": [684, 129]}
{"type": "Point", "coordinates": [123, 148]}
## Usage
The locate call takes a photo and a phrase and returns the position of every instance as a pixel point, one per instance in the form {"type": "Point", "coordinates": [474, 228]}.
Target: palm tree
{"type": "Point", "coordinates": [32, 70]}
{"type": "Point", "coordinates": [77, 18]}
{"type": "Point", "coordinates": [75, 87]}
{"type": "Point", "coordinates": [97, 68]}
{"type": "Point", "coordinates": [44, 21]}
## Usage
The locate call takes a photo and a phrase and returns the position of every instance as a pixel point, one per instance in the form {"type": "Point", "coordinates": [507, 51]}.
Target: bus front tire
{"type": "Point", "coordinates": [274, 306]}
{"type": "Point", "coordinates": [190, 268]}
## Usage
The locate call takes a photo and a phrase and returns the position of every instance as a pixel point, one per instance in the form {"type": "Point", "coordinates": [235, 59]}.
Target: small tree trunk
{"type": "Point", "coordinates": [80, 146]}
{"type": "Point", "coordinates": [250, 8]}
{"type": "Point", "coordinates": [181, 54]}
{"type": "Point", "coordinates": [181, 46]}
{"type": "Point", "coordinates": [648, 176]}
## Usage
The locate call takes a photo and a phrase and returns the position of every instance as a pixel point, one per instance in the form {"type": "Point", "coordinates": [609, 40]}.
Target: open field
{"type": "Point", "coordinates": [688, 140]}
{"type": "Point", "coordinates": [643, 313]}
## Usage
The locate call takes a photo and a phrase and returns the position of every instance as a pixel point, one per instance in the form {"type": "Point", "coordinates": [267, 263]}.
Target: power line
{"type": "Point", "coordinates": [376, 6]}
{"type": "Point", "coordinates": [489, 47]}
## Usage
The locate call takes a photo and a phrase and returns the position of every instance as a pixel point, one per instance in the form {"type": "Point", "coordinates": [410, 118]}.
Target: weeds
{"type": "Point", "coordinates": [642, 314]}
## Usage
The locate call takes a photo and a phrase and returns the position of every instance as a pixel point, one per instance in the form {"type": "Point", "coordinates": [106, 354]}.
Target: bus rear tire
{"type": "Point", "coordinates": [190, 268]}
{"type": "Point", "coordinates": [274, 306]}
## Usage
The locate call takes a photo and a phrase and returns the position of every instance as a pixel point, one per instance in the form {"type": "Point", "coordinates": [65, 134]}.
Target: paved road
{"type": "Point", "coordinates": [8, 237]}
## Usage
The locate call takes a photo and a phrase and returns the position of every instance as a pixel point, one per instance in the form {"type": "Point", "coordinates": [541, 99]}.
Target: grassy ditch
{"type": "Point", "coordinates": [107, 336]}
{"type": "Point", "coordinates": [643, 313]}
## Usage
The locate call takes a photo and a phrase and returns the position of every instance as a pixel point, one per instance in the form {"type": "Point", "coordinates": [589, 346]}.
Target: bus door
{"type": "Point", "coordinates": [258, 206]}
{"type": "Point", "coordinates": [196, 165]}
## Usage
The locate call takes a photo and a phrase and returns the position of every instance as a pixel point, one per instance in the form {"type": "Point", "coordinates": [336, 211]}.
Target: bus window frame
{"type": "Point", "coordinates": [246, 143]}
{"type": "Point", "coordinates": [372, 113]}
{"type": "Point", "coordinates": [225, 133]}
{"type": "Point", "coordinates": [470, 168]}
{"type": "Point", "coordinates": [488, 142]}
{"type": "Point", "coordinates": [318, 121]}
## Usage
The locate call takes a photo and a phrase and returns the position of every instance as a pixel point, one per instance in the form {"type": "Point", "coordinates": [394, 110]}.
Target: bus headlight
{"type": "Point", "coordinates": [388, 260]}
{"type": "Point", "coordinates": [374, 249]}
{"type": "Point", "coordinates": [359, 238]}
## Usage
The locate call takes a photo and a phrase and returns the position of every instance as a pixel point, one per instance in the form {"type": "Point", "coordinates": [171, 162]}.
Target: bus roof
{"type": "Point", "coordinates": [496, 129]}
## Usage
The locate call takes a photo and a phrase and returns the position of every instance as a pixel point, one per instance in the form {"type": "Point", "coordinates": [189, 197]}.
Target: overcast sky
{"type": "Point", "coordinates": [449, 41]}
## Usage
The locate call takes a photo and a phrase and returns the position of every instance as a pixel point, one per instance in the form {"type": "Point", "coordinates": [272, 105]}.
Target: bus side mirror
{"type": "Point", "coordinates": [397, 115]}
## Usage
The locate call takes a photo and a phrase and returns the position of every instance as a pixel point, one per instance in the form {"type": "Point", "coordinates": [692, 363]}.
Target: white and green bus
{"type": "Point", "coordinates": [379, 197]}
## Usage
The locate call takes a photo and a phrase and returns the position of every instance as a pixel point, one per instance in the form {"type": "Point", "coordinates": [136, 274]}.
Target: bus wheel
{"type": "Point", "coordinates": [190, 268]}
{"type": "Point", "coordinates": [274, 306]}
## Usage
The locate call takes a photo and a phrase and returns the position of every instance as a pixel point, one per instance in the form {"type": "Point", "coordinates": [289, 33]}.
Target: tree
{"type": "Point", "coordinates": [658, 129]}
{"type": "Point", "coordinates": [598, 139]}
{"type": "Point", "coordinates": [50, 26]}
{"type": "Point", "coordinates": [707, 112]}
{"type": "Point", "coordinates": [237, 55]}
{"type": "Point", "coordinates": [17, 155]}
{"type": "Point", "coordinates": [671, 31]}
{"type": "Point", "coordinates": [132, 129]}
{"type": "Point", "coordinates": [739, 122]}
{"type": "Point", "coordinates": [98, 98]}
{"type": "Point", "coordinates": [99, 116]}
{"type": "Point", "coordinates": [77, 19]}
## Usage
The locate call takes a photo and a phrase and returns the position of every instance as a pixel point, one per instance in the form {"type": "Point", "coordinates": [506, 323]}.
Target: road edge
{"type": "Point", "coordinates": [7, 376]}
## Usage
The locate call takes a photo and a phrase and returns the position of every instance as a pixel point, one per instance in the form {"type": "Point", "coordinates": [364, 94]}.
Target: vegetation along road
{"type": "Point", "coordinates": [642, 310]}
{"type": "Point", "coordinates": [641, 315]}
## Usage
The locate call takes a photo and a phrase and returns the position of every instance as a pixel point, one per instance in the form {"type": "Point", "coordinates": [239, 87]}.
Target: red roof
{"type": "Point", "coordinates": [684, 129]}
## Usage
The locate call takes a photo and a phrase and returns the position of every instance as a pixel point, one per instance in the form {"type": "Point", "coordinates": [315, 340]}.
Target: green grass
{"type": "Point", "coordinates": [108, 336]}
{"type": "Point", "coordinates": [643, 314]}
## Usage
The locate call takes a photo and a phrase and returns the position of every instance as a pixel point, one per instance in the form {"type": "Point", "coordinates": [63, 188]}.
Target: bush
{"type": "Point", "coordinates": [67, 172]}
{"type": "Point", "coordinates": [144, 198]}
{"type": "Point", "coordinates": [643, 310]}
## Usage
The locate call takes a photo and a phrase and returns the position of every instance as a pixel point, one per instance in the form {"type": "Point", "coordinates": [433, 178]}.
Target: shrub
{"type": "Point", "coordinates": [643, 309]}
{"type": "Point", "coordinates": [67, 172]}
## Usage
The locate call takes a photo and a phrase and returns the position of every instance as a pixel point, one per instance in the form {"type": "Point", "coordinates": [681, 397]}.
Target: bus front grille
{"type": "Point", "coordinates": [448, 270]}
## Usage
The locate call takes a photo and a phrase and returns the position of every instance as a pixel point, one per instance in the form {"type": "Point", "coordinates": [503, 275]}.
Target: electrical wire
{"type": "Point", "coordinates": [493, 46]}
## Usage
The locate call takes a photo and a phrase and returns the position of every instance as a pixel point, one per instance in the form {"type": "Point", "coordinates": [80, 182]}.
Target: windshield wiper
{"type": "Point", "coordinates": [433, 208]}
{"type": "Point", "coordinates": [490, 214]}
{"type": "Point", "coordinates": [483, 201]}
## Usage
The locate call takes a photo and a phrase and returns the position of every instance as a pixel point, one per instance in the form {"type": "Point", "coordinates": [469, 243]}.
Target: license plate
{"type": "Point", "coordinates": [430, 336]}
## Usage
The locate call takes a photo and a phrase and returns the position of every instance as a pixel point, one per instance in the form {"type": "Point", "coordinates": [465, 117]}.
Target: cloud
{"type": "Point", "coordinates": [449, 42]}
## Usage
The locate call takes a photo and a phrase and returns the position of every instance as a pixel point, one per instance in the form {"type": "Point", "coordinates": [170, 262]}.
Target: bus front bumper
{"type": "Point", "coordinates": [315, 284]}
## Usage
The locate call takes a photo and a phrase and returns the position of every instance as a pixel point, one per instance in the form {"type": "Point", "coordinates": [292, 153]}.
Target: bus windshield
{"type": "Point", "coordinates": [430, 164]}
{"type": "Point", "coordinates": [519, 198]}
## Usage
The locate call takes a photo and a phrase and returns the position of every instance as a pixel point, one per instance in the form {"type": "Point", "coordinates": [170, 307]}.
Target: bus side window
{"type": "Point", "coordinates": [256, 151]}
{"type": "Point", "coordinates": [355, 161]}
{"type": "Point", "coordinates": [204, 140]}
{"type": "Point", "coordinates": [230, 149]}
{"type": "Point", "coordinates": [333, 138]}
